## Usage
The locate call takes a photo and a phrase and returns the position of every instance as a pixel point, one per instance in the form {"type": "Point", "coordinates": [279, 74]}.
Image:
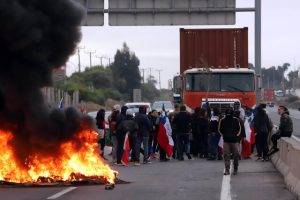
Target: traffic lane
{"type": "Point", "coordinates": [294, 114]}
{"type": "Point", "coordinates": [259, 180]}
{"type": "Point", "coordinates": [161, 180]}
{"type": "Point", "coordinates": [171, 181]}
{"type": "Point", "coordinates": [28, 193]}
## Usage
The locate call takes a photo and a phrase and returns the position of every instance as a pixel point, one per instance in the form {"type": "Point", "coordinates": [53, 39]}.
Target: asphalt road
{"type": "Point", "coordinates": [189, 179]}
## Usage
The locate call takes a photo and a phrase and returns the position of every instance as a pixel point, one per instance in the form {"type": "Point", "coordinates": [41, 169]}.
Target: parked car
{"type": "Point", "coordinates": [134, 106]}
{"type": "Point", "coordinates": [158, 105]}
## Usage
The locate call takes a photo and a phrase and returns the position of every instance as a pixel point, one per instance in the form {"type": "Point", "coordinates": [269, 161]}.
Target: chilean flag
{"type": "Point", "coordinates": [164, 137]}
{"type": "Point", "coordinates": [126, 148]}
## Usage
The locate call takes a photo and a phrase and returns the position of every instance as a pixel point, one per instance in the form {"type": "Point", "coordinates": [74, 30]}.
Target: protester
{"type": "Point", "coordinates": [130, 127]}
{"type": "Point", "coordinates": [112, 127]}
{"type": "Point", "coordinates": [100, 122]}
{"type": "Point", "coordinates": [153, 117]}
{"type": "Point", "coordinates": [229, 127]}
{"type": "Point", "coordinates": [237, 115]}
{"type": "Point", "coordinates": [214, 135]}
{"type": "Point", "coordinates": [203, 130]}
{"type": "Point", "coordinates": [238, 107]}
{"type": "Point", "coordinates": [247, 142]}
{"type": "Point", "coordinates": [120, 134]}
{"type": "Point", "coordinates": [143, 134]}
{"type": "Point", "coordinates": [164, 137]}
{"type": "Point", "coordinates": [262, 128]}
{"type": "Point", "coordinates": [182, 122]}
{"type": "Point", "coordinates": [285, 127]}
{"type": "Point", "coordinates": [195, 144]}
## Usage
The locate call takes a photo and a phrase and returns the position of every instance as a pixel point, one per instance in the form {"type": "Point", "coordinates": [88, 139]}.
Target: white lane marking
{"type": "Point", "coordinates": [225, 191]}
{"type": "Point", "coordinates": [55, 196]}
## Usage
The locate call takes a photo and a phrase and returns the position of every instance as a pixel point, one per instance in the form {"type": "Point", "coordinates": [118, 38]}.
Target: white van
{"type": "Point", "coordinates": [134, 106]}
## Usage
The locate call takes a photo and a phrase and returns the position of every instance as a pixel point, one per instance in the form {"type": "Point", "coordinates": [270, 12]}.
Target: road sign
{"type": "Point", "coordinates": [94, 12]}
{"type": "Point", "coordinates": [137, 95]}
{"type": "Point", "coordinates": [171, 12]}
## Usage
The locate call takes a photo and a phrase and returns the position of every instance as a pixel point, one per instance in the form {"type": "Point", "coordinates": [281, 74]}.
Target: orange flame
{"type": "Point", "coordinates": [81, 159]}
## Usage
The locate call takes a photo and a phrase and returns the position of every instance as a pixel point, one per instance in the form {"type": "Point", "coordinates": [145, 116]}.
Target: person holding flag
{"type": "Point", "coordinates": [130, 128]}
{"type": "Point", "coordinates": [164, 137]}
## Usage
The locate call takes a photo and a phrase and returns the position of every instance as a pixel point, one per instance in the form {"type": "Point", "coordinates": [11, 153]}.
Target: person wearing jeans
{"type": "Point", "coordinates": [182, 121]}
{"type": "Point", "coordinates": [144, 127]}
{"type": "Point", "coordinates": [229, 127]}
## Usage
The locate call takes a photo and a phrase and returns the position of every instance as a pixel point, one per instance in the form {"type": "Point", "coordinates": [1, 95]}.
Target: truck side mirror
{"type": "Point", "coordinates": [176, 84]}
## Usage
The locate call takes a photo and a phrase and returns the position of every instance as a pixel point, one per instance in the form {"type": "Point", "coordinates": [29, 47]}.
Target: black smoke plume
{"type": "Point", "coordinates": [36, 36]}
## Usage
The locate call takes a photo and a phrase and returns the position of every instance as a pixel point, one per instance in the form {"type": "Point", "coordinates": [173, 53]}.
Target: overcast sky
{"type": "Point", "coordinates": [157, 47]}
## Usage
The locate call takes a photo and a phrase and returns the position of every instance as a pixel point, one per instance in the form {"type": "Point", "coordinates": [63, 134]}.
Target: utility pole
{"type": "Point", "coordinates": [257, 35]}
{"type": "Point", "coordinates": [143, 72]}
{"type": "Point", "coordinates": [274, 78]}
{"type": "Point", "coordinates": [78, 53]}
{"type": "Point", "coordinates": [150, 77]}
{"type": "Point", "coordinates": [90, 52]}
{"type": "Point", "coordinates": [109, 61]}
{"type": "Point", "coordinates": [100, 58]}
{"type": "Point", "coordinates": [159, 70]}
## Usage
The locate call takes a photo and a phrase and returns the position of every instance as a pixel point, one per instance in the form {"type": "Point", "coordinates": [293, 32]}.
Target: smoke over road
{"type": "Point", "coordinates": [36, 36]}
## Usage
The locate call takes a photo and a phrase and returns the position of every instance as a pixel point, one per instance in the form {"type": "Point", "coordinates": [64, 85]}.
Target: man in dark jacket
{"type": "Point", "coordinates": [230, 128]}
{"type": "Point", "coordinates": [285, 127]}
{"type": "Point", "coordinates": [130, 126]}
{"type": "Point", "coordinates": [143, 134]}
{"type": "Point", "coordinates": [182, 122]}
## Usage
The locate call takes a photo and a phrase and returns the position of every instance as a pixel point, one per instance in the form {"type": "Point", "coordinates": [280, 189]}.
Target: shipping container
{"type": "Point", "coordinates": [213, 48]}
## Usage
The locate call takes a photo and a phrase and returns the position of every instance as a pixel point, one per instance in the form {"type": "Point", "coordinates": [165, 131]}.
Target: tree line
{"type": "Point", "coordinates": [274, 77]}
{"type": "Point", "coordinates": [116, 81]}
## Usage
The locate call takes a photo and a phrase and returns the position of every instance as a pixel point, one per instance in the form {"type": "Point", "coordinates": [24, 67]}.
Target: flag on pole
{"type": "Point", "coordinates": [61, 103]}
{"type": "Point", "coordinates": [126, 148]}
{"type": "Point", "coordinates": [164, 137]}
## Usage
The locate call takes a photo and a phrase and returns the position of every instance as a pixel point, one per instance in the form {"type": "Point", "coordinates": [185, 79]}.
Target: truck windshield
{"type": "Point", "coordinates": [220, 82]}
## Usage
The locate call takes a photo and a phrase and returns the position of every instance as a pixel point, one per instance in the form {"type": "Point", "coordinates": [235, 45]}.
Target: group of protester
{"type": "Point", "coordinates": [140, 130]}
{"type": "Point", "coordinates": [205, 133]}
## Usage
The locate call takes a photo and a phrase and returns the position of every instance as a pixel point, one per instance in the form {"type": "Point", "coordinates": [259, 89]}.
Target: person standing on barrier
{"type": "Point", "coordinates": [230, 128]}
{"type": "Point", "coordinates": [285, 127]}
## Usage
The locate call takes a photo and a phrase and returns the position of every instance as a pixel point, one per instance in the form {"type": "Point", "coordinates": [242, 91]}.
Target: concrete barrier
{"type": "Point", "coordinates": [287, 161]}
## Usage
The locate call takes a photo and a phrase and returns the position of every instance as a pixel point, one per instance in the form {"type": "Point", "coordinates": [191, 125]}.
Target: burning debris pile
{"type": "Point", "coordinates": [39, 144]}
